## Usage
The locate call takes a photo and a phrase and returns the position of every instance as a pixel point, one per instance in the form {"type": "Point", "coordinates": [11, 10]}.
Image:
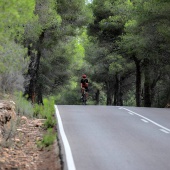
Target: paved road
{"type": "Point", "coordinates": [114, 138]}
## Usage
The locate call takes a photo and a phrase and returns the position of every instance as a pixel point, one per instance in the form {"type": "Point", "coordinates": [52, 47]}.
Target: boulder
{"type": "Point", "coordinates": [7, 112]}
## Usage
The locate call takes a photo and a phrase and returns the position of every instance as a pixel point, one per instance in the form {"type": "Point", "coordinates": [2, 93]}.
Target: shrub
{"type": "Point", "coordinates": [23, 106]}
{"type": "Point", "coordinates": [50, 122]}
{"type": "Point", "coordinates": [48, 138]}
{"type": "Point", "coordinates": [46, 111]}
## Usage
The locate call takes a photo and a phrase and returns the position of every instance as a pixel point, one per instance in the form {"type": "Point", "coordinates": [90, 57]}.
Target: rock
{"type": "Point", "coordinates": [12, 102]}
{"type": "Point", "coordinates": [7, 111]}
{"type": "Point", "coordinates": [7, 105]}
{"type": "Point", "coordinates": [2, 161]}
{"type": "Point", "coordinates": [38, 123]}
{"type": "Point", "coordinates": [38, 139]}
{"type": "Point", "coordinates": [4, 117]}
{"type": "Point", "coordinates": [19, 130]}
{"type": "Point", "coordinates": [24, 118]}
{"type": "Point", "coordinates": [17, 140]}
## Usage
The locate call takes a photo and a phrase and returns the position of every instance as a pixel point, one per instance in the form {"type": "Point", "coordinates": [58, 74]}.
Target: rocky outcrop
{"type": "Point", "coordinates": [7, 112]}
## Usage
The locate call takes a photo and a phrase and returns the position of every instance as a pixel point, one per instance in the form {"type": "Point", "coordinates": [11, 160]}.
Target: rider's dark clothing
{"type": "Point", "coordinates": [84, 83]}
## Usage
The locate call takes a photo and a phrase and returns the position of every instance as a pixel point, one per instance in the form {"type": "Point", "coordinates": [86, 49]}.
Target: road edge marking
{"type": "Point", "coordinates": [149, 120]}
{"type": "Point", "coordinates": [164, 131]}
{"type": "Point", "coordinates": [144, 120]}
{"type": "Point", "coordinates": [69, 156]}
{"type": "Point", "coordinates": [130, 113]}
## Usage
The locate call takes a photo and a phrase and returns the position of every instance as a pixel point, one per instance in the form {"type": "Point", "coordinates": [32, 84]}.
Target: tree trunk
{"type": "Point", "coordinates": [116, 86]}
{"type": "Point", "coordinates": [39, 95]}
{"type": "Point", "coordinates": [147, 95]}
{"type": "Point", "coordinates": [152, 87]}
{"type": "Point", "coordinates": [138, 81]}
{"type": "Point", "coordinates": [168, 98]}
{"type": "Point", "coordinates": [30, 86]}
{"type": "Point", "coordinates": [109, 88]}
{"type": "Point", "coordinates": [118, 101]}
{"type": "Point", "coordinates": [33, 71]}
{"type": "Point", "coordinates": [120, 94]}
{"type": "Point", "coordinates": [97, 95]}
{"type": "Point", "coordinates": [115, 98]}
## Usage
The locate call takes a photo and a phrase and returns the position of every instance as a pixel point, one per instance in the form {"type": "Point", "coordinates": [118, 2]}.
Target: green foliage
{"type": "Point", "coordinates": [2, 68]}
{"type": "Point", "coordinates": [70, 93]}
{"type": "Point", "coordinates": [23, 107]}
{"type": "Point", "coordinates": [13, 55]}
{"type": "Point", "coordinates": [50, 122]}
{"type": "Point", "coordinates": [48, 138]}
{"type": "Point", "coordinates": [129, 99]}
{"type": "Point", "coordinates": [46, 111]}
{"type": "Point", "coordinates": [104, 39]}
{"type": "Point", "coordinates": [48, 16]}
{"type": "Point", "coordinates": [79, 53]}
{"type": "Point", "coordinates": [13, 61]}
{"type": "Point", "coordinates": [54, 41]}
{"type": "Point", "coordinates": [49, 105]}
{"type": "Point", "coordinates": [32, 30]}
{"type": "Point", "coordinates": [69, 96]}
{"type": "Point", "coordinates": [13, 15]}
{"type": "Point", "coordinates": [117, 64]}
{"type": "Point", "coordinates": [38, 111]}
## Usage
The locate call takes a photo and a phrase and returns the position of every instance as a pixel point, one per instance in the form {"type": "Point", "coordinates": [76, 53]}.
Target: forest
{"type": "Point", "coordinates": [123, 46]}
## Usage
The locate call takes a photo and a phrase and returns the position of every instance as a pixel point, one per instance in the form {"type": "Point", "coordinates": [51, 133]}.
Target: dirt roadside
{"type": "Point", "coordinates": [18, 144]}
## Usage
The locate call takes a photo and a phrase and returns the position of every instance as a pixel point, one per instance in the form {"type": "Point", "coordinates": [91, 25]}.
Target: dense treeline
{"type": "Point", "coordinates": [132, 56]}
{"type": "Point", "coordinates": [40, 44]}
{"type": "Point", "coordinates": [122, 45]}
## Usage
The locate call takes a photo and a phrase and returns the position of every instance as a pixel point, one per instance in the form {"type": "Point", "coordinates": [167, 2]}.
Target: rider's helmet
{"type": "Point", "coordinates": [84, 76]}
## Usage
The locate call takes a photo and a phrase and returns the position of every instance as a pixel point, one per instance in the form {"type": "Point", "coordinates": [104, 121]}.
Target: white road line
{"type": "Point", "coordinates": [164, 131]}
{"type": "Point", "coordinates": [144, 120]}
{"type": "Point", "coordinates": [130, 113]}
{"type": "Point", "coordinates": [149, 120]}
{"type": "Point", "coordinates": [69, 157]}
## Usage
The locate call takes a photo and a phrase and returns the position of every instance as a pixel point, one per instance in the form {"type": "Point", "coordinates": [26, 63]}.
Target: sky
{"type": "Point", "coordinates": [89, 1]}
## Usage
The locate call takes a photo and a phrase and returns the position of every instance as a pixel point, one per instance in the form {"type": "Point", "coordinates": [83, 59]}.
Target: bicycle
{"type": "Point", "coordinates": [84, 99]}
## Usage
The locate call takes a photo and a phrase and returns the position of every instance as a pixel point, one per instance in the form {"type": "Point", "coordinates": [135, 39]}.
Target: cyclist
{"type": "Point", "coordinates": [84, 84]}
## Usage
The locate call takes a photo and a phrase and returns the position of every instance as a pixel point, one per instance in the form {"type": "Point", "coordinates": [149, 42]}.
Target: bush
{"type": "Point", "coordinates": [46, 111]}
{"type": "Point", "coordinates": [48, 138]}
{"type": "Point", "coordinates": [50, 122]}
{"type": "Point", "coordinates": [23, 106]}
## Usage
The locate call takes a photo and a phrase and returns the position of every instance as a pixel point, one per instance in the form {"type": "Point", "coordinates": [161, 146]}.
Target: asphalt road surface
{"type": "Point", "coordinates": [114, 138]}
